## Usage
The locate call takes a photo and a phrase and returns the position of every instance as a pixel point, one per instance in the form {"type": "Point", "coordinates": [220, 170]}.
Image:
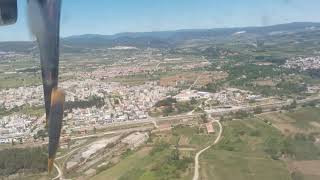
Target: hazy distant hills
{"type": "Point", "coordinates": [169, 39]}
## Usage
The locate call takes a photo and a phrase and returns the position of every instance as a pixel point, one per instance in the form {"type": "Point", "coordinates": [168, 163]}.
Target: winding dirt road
{"type": "Point", "coordinates": [59, 176]}
{"type": "Point", "coordinates": [196, 159]}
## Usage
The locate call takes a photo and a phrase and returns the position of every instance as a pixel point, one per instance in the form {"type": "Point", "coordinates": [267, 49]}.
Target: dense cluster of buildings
{"type": "Point", "coordinates": [121, 103]}
{"type": "Point", "coordinates": [16, 97]}
{"type": "Point", "coordinates": [16, 128]}
{"type": "Point", "coordinates": [304, 63]}
{"type": "Point", "coordinates": [228, 96]}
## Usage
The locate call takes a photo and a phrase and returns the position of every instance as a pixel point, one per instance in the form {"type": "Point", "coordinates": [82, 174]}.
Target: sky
{"type": "Point", "coordinates": [115, 16]}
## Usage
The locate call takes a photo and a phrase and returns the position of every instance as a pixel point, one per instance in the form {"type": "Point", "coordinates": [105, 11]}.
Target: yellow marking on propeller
{"type": "Point", "coordinates": [57, 96]}
{"type": "Point", "coordinates": [50, 164]}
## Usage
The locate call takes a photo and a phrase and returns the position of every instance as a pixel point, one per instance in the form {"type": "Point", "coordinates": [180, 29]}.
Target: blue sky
{"type": "Point", "coordinates": [114, 16]}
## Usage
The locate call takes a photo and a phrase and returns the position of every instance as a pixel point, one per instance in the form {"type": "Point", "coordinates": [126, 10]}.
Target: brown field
{"type": "Point", "coordinates": [265, 83]}
{"type": "Point", "coordinates": [282, 123]}
{"type": "Point", "coordinates": [204, 78]}
{"type": "Point", "coordinates": [310, 169]}
{"type": "Point", "coordinates": [315, 124]}
{"type": "Point", "coordinates": [184, 141]}
{"type": "Point", "coordinates": [301, 120]}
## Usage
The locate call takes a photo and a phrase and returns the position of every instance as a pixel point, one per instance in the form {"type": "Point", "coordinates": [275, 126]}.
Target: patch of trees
{"type": "Point", "coordinates": [240, 114]}
{"type": "Point", "coordinates": [258, 110]}
{"type": "Point", "coordinates": [166, 102]}
{"type": "Point", "coordinates": [252, 71]}
{"type": "Point", "coordinates": [171, 106]}
{"type": "Point", "coordinates": [275, 60]}
{"type": "Point", "coordinates": [212, 87]}
{"type": "Point", "coordinates": [172, 165]}
{"type": "Point", "coordinates": [299, 147]}
{"type": "Point", "coordinates": [213, 52]}
{"type": "Point", "coordinates": [41, 134]}
{"type": "Point", "coordinates": [5, 112]}
{"type": "Point", "coordinates": [159, 147]}
{"type": "Point", "coordinates": [204, 118]}
{"type": "Point", "coordinates": [314, 73]}
{"type": "Point", "coordinates": [292, 105]}
{"type": "Point", "coordinates": [291, 87]}
{"type": "Point", "coordinates": [183, 107]}
{"type": "Point", "coordinates": [18, 160]}
{"type": "Point", "coordinates": [25, 109]}
{"type": "Point", "coordinates": [92, 101]}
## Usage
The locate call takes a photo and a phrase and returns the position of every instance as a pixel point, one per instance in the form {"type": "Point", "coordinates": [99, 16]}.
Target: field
{"type": "Point", "coordinates": [157, 160]}
{"type": "Point", "coordinates": [302, 125]}
{"type": "Point", "coordinates": [17, 80]}
{"type": "Point", "coordinates": [303, 120]}
{"type": "Point", "coordinates": [241, 153]}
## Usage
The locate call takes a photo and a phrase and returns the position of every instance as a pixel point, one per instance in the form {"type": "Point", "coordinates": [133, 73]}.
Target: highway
{"type": "Point", "coordinates": [196, 158]}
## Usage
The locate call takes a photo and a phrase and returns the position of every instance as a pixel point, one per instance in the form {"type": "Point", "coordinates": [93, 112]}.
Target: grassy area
{"type": "Point", "coordinates": [26, 109]}
{"type": "Point", "coordinates": [243, 153]}
{"type": "Point", "coordinates": [18, 80]}
{"type": "Point", "coordinates": [303, 117]}
{"type": "Point", "coordinates": [134, 80]}
{"type": "Point", "coordinates": [303, 120]}
{"type": "Point", "coordinates": [137, 166]}
{"type": "Point", "coordinates": [195, 138]}
{"type": "Point", "coordinates": [160, 159]}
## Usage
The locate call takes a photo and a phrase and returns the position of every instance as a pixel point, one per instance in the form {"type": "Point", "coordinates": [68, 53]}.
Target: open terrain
{"type": "Point", "coordinates": [156, 160]}
{"type": "Point", "coordinates": [241, 153]}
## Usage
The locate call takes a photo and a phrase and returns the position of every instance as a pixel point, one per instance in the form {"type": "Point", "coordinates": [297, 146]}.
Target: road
{"type": "Point", "coordinates": [195, 82]}
{"type": "Point", "coordinates": [59, 176]}
{"type": "Point", "coordinates": [196, 159]}
{"type": "Point", "coordinates": [266, 106]}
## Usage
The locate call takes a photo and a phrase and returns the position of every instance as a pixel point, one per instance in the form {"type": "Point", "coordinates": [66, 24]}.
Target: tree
{"type": "Point", "coordinates": [168, 110]}
{"type": "Point", "coordinates": [257, 110]}
{"type": "Point", "coordinates": [193, 101]}
{"type": "Point", "coordinates": [175, 154]}
{"type": "Point", "coordinates": [42, 134]}
{"type": "Point", "coordinates": [204, 118]}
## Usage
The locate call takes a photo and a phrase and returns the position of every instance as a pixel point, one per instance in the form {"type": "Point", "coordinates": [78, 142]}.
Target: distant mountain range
{"type": "Point", "coordinates": [168, 39]}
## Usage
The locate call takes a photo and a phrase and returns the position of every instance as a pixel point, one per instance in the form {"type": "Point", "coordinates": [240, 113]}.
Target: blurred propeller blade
{"type": "Point", "coordinates": [55, 124]}
{"type": "Point", "coordinates": [45, 25]}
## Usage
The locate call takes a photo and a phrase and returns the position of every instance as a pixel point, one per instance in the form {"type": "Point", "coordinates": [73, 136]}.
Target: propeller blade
{"type": "Point", "coordinates": [55, 124]}
{"type": "Point", "coordinates": [45, 25]}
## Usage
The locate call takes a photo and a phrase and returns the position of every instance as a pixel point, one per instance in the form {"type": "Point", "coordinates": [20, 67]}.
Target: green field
{"type": "Point", "coordinates": [302, 120]}
{"type": "Point", "coordinates": [18, 80]}
{"type": "Point", "coordinates": [244, 153]}
{"type": "Point", "coordinates": [158, 159]}
{"type": "Point", "coordinates": [133, 164]}
{"type": "Point", "coordinates": [303, 117]}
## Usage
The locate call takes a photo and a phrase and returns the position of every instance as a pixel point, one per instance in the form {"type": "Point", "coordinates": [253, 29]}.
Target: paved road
{"type": "Point", "coordinates": [196, 159]}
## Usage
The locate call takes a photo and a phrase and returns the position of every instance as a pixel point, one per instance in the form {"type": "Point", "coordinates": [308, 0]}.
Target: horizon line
{"type": "Point", "coordinates": [172, 30]}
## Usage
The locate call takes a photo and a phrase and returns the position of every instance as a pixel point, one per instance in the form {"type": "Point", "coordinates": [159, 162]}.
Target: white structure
{"type": "Point", "coordinates": [136, 139]}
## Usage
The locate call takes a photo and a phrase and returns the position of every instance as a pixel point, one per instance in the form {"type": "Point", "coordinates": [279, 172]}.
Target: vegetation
{"type": "Point", "coordinates": [92, 101]}
{"type": "Point", "coordinates": [26, 109]}
{"type": "Point", "coordinates": [171, 106]}
{"type": "Point", "coordinates": [163, 160]}
{"type": "Point", "coordinates": [23, 160]}
{"type": "Point", "coordinates": [244, 152]}
{"type": "Point", "coordinates": [166, 102]}
{"type": "Point", "coordinates": [303, 117]}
